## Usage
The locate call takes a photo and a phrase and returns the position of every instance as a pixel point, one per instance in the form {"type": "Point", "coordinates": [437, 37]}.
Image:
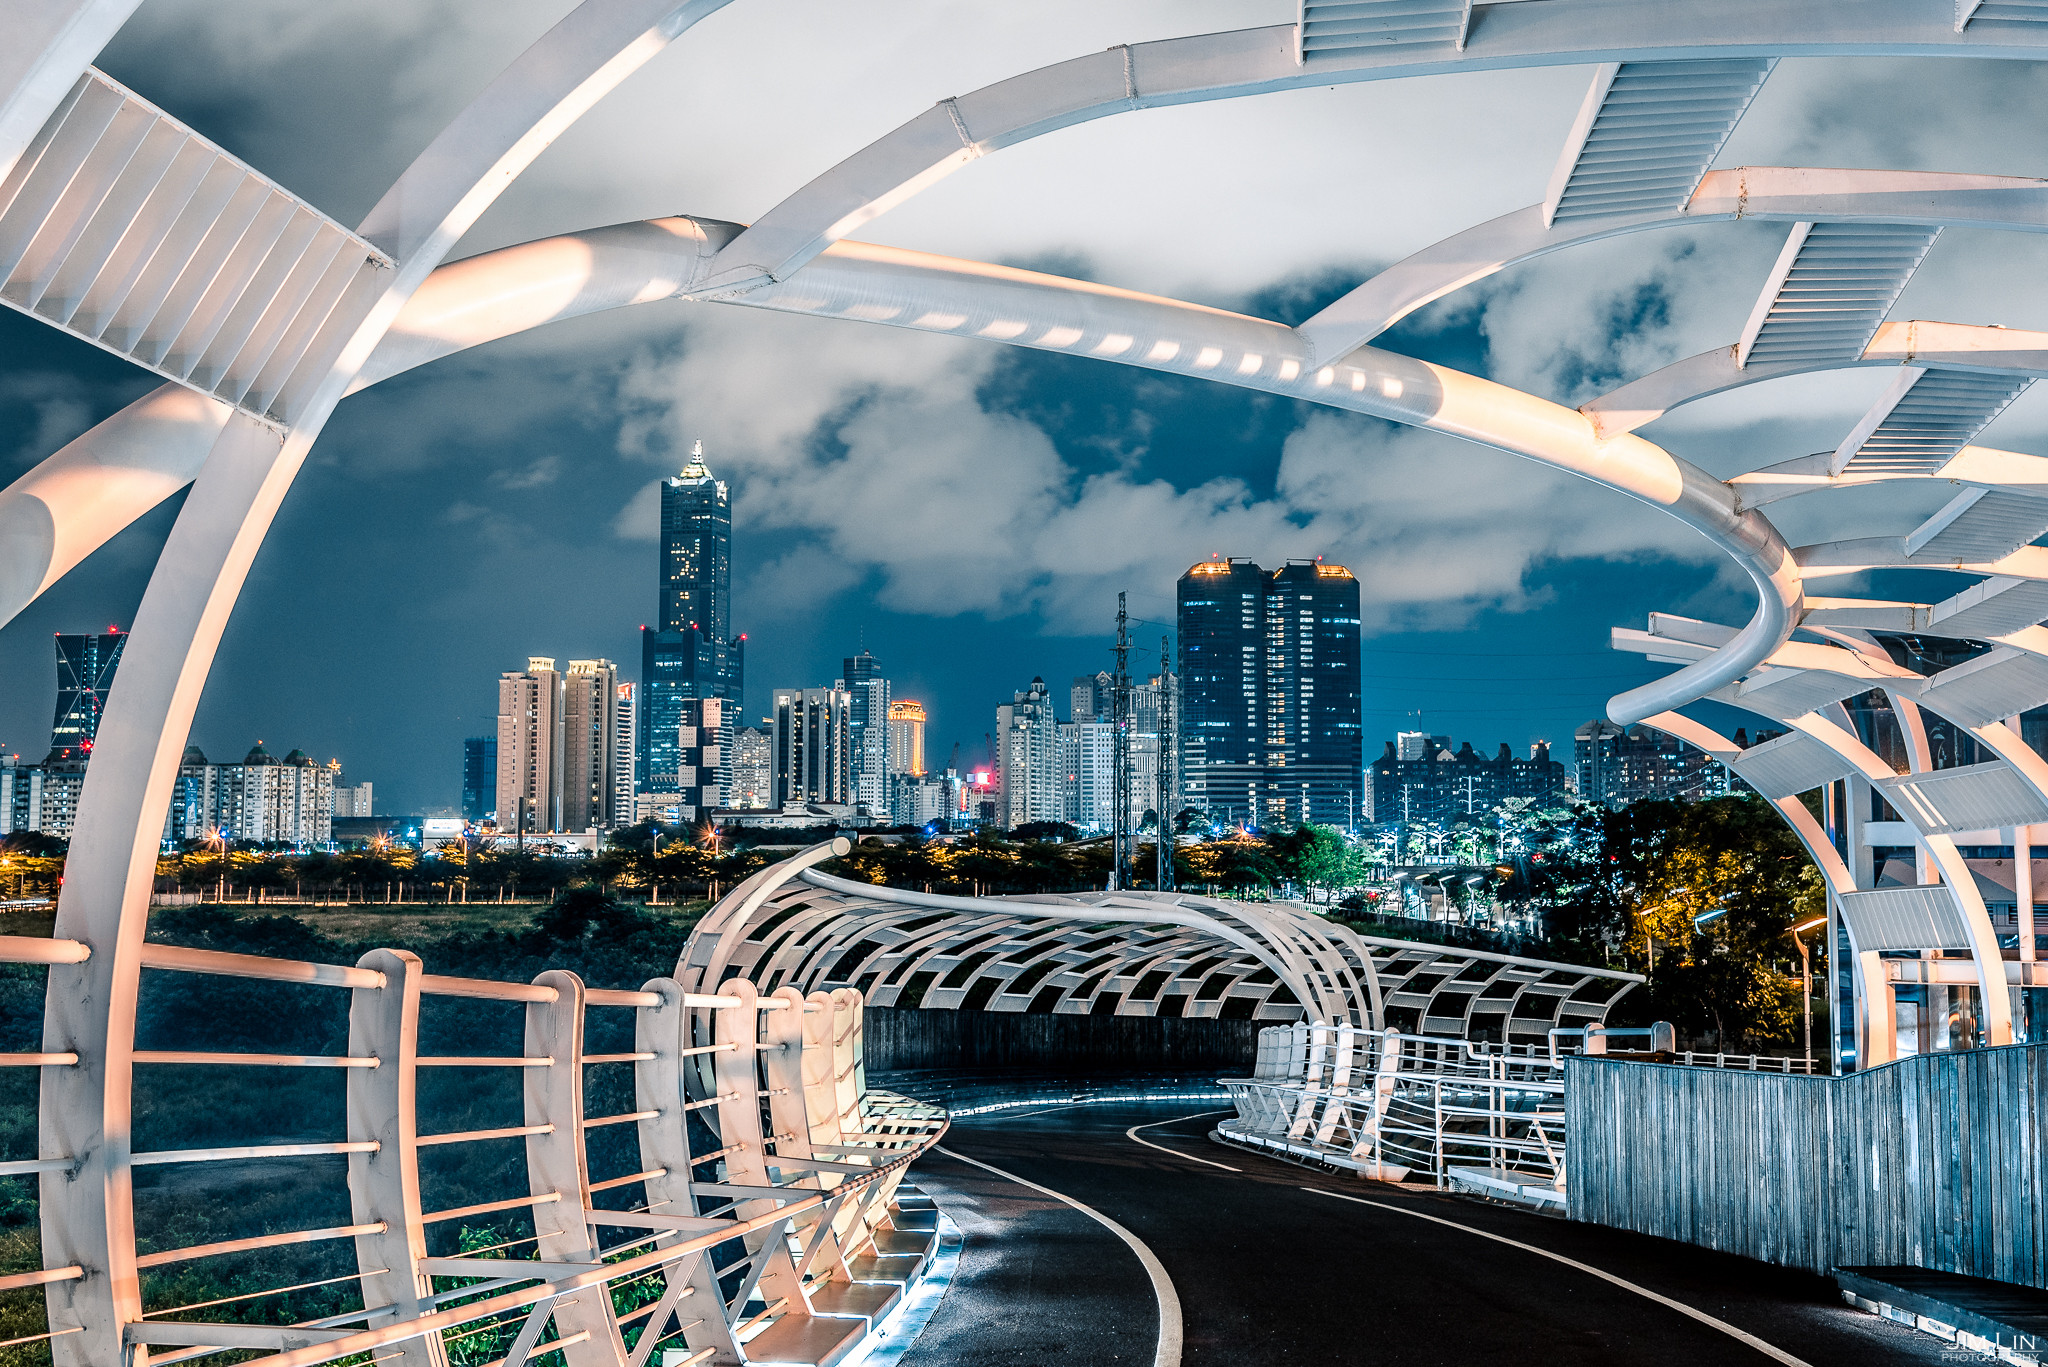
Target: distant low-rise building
{"type": "Point", "coordinates": [1446, 786]}
{"type": "Point", "coordinates": [1617, 765]}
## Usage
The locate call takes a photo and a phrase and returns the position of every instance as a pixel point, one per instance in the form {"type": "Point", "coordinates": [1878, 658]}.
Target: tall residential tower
{"type": "Point", "coordinates": [1271, 690]}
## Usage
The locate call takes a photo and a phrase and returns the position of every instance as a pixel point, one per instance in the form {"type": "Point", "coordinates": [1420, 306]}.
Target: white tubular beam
{"type": "Point", "coordinates": [1258, 61]}
{"type": "Point", "coordinates": [555, 1162]}
{"type": "Point", "coordinates": [384, 1184]}
{"type": "Point", "coordinates": [1951, 346]}
{"type": "Point", "coordinates": [658, 1085]}
{"type": "Point", "coordinates": [1769, 193]}
{"type": "Point", "coordinates": [91, 1007]}
{"type": "Point", "coordinates": [73, 503]}
{"type": "Point", "coordinates": [739, 1130]}
{"type": "Point", "coordinates": [908, 289]}
{"type": "Point", "coordinates": [49, 42]}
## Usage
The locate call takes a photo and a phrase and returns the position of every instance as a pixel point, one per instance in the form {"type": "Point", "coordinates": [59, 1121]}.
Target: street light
{"type": "Point", "coordinates": [1806, 980]}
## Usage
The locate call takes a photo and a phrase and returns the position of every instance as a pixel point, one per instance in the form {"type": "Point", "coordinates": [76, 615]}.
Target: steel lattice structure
{"type": "Point", "coordinates": [122, 226]}
{"type": "Point", "coordinates": [1141, 954]}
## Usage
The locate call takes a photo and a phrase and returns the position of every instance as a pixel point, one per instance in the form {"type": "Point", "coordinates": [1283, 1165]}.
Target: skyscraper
{"type": "Point", "coordinates": [479, 777]}
{"type": "Point", "coordinates": [530, 747]}
{"type": "Point", "coordinates": [753, 768]}
{"type": "Point", "coordinates": [868, 731]}
{"type": "Point", "coordinates": [1091, 697]}
{"type": "Point", "coordinates": [1271, 692]}
{"type": "Point", "coordinates": [688, 653]}
{"type": "Point", "coordinates": [696, 550]}
{"type": "Point", "coordinates": [906, 738]}
{"type": "Point", "coordinates": [85, 675]}
{"type": "Point", "coordinates": [813, 759]}
{"type": "Point", "coordinates": [625, 751]}
{"type": "Point", "coordinates": [1028, 770]}
{"type": "Point", "coordinates": [590, 692]}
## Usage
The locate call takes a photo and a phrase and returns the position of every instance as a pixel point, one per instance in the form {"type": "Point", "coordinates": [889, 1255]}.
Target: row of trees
{"type": "Point", "coordinates": [1698, 895]}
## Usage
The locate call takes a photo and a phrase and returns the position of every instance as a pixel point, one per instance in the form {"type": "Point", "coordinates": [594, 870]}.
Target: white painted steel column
{"type": "Point", "coordinates": [739, 1130]}
{"type": "Point", "coordinates": [87, 1215]}
{"type": "Point", "coordinates": [555, 1162]}
{"type": "Point", "coordinates": [384, 1186]}
{"type": "Point", "coordinates": [658, 1085]}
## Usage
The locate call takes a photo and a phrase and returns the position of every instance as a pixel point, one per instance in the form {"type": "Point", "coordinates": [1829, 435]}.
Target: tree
{"type": "Point", "coordinates": [1316, 857]}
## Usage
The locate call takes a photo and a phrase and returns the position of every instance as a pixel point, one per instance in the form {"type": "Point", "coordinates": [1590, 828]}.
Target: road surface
{"type": "Point", "coordinates": [1270, 1265]}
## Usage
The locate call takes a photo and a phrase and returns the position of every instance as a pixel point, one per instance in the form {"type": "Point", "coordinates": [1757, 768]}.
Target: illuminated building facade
{"type": "Point", "coordinates": [85, 674]}
{"type": "Point", "coordinates": [1271, 694]}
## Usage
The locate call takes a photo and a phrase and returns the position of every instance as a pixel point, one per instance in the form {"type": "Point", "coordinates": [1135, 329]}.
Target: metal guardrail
{"type": "Point", "coordinates": [1450, 1112]}
{"type": "Point", "coordinates": [756, 1218]}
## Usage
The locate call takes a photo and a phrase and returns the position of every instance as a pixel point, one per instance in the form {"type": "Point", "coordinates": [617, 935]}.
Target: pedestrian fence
{"type": "Point", "coordinates": [753, 1211]}
{"type": "Point", "coordinates": [1451, 1112]}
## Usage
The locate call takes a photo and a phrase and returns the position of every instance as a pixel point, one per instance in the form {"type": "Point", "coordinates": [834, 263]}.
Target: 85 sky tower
{"type": "Point", "coordinates": [690, 653]}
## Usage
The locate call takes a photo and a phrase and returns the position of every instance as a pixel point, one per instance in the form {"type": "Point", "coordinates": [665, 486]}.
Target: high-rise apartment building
{"type": "Point", "coordinates": [590, 693]}
{"type": "Point", "coordinates": [530, 748]}
{"type": "Point", "coordinates": [85, 675]}
{"type": "Point", "coordinates": [690, 652]}
{"type": "Point", "coordinates": [868, 736]}
{"type": "Point", "coordinates": [1617, 765]}
{"type": "Point", "coordinates": [479, 778]}
{"type": "Point", "coordinates": [753, 768]}
{"type": "Point", "coordinates": [813, 747]}
{"type": "Point", "coordinates": [906, 738]}
{"type": "Point", "coordinates": [263, 798]}
{"type": "Point", "coordinates": [1271, 692]}
{"type": "Point", "coordinates": [1092, 697]}
{"type": "Point", "coordinates": [1028, 773]}
{"type": "Point", "coordinates": [625, 750]}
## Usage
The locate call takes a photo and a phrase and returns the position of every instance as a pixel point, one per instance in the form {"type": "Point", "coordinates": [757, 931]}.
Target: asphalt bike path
{"type": "Point", "coordinates": [1258, 1262]}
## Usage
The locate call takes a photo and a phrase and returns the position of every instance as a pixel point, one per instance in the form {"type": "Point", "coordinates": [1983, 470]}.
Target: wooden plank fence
{"type": "Point", "coordinates": [1934, 1161]}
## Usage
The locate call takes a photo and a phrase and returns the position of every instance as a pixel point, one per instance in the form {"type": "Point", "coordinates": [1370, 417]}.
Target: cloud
{"type": "Point", "coordinates": [640, 519]}
{"type": "Point", "coordinates": [537, 475]}
{"type": "Point", "coordinates": [879, 458]}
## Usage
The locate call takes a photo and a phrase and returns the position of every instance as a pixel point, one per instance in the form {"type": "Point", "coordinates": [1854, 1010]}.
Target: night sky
{"type": "Point", "coordinates": [969, 511]}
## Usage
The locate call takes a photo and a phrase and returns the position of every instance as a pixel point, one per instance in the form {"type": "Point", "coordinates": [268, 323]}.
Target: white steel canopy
{"type": "Point", "coordinates": [122, 227]}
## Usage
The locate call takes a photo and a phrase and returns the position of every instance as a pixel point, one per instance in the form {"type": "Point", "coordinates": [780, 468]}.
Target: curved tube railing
{"type": "Point", "coordinates": [753, 1216]}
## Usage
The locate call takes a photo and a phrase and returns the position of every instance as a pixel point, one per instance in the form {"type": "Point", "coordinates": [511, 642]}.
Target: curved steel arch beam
{"type": "Point", "coordinates": [49, 44]}
{"type": "Point", "coordinates": [87, 1213]}
{"type": "Point", "coordinates": [1771, 193]}
{"type": "Point", "coordinates": [1219, 66]}
{"type": "Point", "coordinates": [1948, 346]}
{"type": "Point", "coordinates": [519, 287]}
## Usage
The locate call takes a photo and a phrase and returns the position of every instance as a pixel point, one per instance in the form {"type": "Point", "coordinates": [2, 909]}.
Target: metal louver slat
{"type": "Point", "coordinates": [1904, 918]}
{"type": "Point", "coordinates": [1351, 25]}
{"type": "Point", "coordinates": [1975, 797]}
{"type": "Point", "coordinates": [1919, 423]}
{"type": "Point", "coordinates": [1647, 132]}
{"type": "Point", "coordinates": [125, 228]}
{"type": "Point", "coordinates": [2001, 683]}
{"type": "Point", "coordinates": [1790, 765]}
{"type": "Point", "coordinates": [1978, 526]}
{"type": "Point", "coordinates": [1996, 607]}
{"type": "Point", "coordinates": [1992, 12]}
{"type": "Point", "coordinates": [1832, 286]}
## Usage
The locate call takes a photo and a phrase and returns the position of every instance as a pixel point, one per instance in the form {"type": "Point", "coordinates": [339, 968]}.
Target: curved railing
{"type": "Point", "coordinates": [703, 1174]}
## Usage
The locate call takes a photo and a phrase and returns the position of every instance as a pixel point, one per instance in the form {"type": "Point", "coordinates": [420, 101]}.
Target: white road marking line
{"type": "Point", "coordinates": [1167, 1354]}
{"type": "Point", "coordinates": [1681, 1307]}
{"type": "Point", "coordinates": [1132, 1135]}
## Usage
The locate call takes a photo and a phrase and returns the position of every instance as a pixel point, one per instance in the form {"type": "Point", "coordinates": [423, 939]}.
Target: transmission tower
{"type": "Point", "coordinates": [1168, 766]}
{"type": "Point", "coordinates": [1120, 753]}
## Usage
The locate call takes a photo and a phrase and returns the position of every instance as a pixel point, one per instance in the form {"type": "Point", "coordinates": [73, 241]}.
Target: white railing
{"type": "Point", "coordinates": [1450, 1112]}
{"type": "Point", "coordinates": [1405, 1107]}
